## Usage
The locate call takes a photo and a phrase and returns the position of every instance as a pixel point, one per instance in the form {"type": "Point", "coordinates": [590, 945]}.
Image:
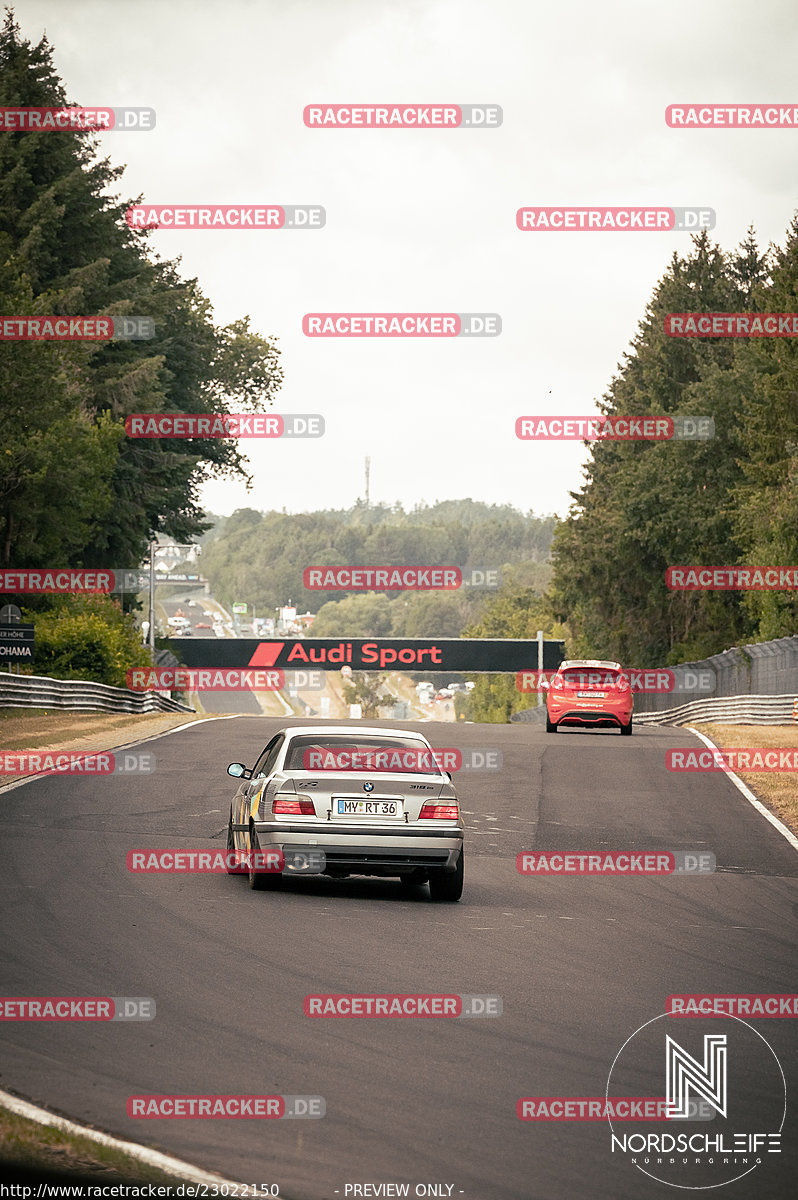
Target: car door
{"type": "Point", "coordinates": [262, 769]}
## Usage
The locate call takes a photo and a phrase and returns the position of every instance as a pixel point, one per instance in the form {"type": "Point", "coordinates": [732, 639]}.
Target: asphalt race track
{"type": "Point", "coordinates": [580, 964]}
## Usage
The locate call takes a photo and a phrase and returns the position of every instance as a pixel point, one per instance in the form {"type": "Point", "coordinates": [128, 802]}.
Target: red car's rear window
{"type": "Point", "coordinates": [588, 679]}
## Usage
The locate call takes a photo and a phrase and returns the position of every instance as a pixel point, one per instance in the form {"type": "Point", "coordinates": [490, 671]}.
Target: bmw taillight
{"type": "Point", "coordinates": [439, 812]}
{"type": "Point", "coordinates": [293, 808]}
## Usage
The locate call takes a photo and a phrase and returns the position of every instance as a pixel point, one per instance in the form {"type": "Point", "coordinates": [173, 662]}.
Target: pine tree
{"type": "Point", "coordinates": [67, 248]}
{"type": "Point", "coordinates": [646, 506]}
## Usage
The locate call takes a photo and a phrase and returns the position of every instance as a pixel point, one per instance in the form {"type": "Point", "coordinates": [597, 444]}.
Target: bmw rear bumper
{"type": "Point", "coordinates": [389, 850]}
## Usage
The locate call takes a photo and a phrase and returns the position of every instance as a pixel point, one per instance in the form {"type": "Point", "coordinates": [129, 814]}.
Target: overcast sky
{"type": "Point", "coordinates": [424, 220]}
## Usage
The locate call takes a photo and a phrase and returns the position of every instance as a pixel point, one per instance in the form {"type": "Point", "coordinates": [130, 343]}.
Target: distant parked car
{"type": "Point", "coordinates": [202, 625]}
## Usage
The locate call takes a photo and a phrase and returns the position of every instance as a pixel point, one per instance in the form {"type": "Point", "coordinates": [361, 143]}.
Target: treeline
{"type": "Point", "coordinates": [74, 490]}
{"type": "Point", "coordinates": [260, 558]}
{"type": "Point", "coordinates": [645, 506]}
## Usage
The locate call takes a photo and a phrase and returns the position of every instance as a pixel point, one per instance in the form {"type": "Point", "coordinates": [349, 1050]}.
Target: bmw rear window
{"type": "Point", "coordinates": [398, 755]}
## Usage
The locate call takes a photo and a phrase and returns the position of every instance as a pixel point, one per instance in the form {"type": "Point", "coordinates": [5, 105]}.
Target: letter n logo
{"type": "Point", "coordinates": [266, 654]}
{"type": "Point", "coordinates": [684, 1074]}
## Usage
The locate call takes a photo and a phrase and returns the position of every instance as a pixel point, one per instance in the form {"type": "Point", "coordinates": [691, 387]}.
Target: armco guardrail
{"type": "Point", "coordinates": [729, 710]}
{"type": "Point", "coordinates": [37, 691]}
{"type": "Point", "coordinates": [756, 669]}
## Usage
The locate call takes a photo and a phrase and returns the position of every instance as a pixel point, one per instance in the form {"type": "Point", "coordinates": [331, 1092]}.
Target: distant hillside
{"type": "Point", "coordinates": [260, 558]}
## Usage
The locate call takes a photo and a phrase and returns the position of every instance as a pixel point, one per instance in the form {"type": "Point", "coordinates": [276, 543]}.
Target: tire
{"type": "Point", "coordinates": [262, 881]}
{"type": "Point", "coordinates": [231, 846]}
{"type": "Point", "coordinates": [626, 730]}
{"type": "Point", "coordinates": [550, 728]}
{"type": "Point", "coordinates": [447, 885]}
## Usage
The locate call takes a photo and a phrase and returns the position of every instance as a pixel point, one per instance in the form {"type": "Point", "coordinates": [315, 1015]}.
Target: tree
{"type": "Point", "coordinates": [366, 689]}
{"type": "Point", "coordinates": [766, 516]}
{"type": "Point", "coordinates": [515, 612]}
{"type": "Point", "coordinates": [67, 249]}
{"type": "Point", "coordinates": [645, 506]}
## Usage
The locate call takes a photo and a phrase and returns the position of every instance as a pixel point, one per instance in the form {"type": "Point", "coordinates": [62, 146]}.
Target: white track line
{"type": "Point", "coordinates": [163, 1162]}
{"type": "Point", "coordinates": [749, 795]}
{"type": "Point", "coordinates": [7, 787]}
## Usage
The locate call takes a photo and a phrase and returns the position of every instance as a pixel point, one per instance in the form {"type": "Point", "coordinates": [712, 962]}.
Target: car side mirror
{"type": "Point", "coordinates": [545, 685]}
{"type": "Point", "coordinates": [239, 771]}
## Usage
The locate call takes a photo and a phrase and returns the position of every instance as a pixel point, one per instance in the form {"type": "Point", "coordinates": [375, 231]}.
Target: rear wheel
{"type": "Point", "coordinates": [626, 730]}
{"type": "Point", "coordinates": [447, 885]}
{"type": "Point", "coordinates": [262, 881]}
{"type": "Point", "coordinates": [550, 728]}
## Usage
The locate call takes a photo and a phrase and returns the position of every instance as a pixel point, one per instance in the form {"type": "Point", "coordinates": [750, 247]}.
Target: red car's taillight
{"type": "Point", "coordinates": [439, 812]}
{"type": "Point", "coordinates": [293, 808]}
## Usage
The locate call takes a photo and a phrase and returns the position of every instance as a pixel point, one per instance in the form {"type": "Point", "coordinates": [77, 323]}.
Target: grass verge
{"type": "Point", "coordinates": [58, 731]}
{"type": "Point", "coordinates": [26, 1146]}
{"type": "Point", "coordinates": [777, 790]}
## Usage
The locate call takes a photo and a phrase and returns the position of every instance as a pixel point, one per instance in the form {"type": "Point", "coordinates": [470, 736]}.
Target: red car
{"type": "Point", "coordinates": [586, 691]}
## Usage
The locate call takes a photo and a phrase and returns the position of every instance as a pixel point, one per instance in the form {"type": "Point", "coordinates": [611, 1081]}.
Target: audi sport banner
{"type": "Point", "coordinates": [362, 654]}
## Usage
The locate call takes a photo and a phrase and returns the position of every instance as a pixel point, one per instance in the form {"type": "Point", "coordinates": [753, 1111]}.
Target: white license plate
{"type": "Point", "coordinates": [591, 695]}
{"type": "Point", "coordinates": [385, 809]}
